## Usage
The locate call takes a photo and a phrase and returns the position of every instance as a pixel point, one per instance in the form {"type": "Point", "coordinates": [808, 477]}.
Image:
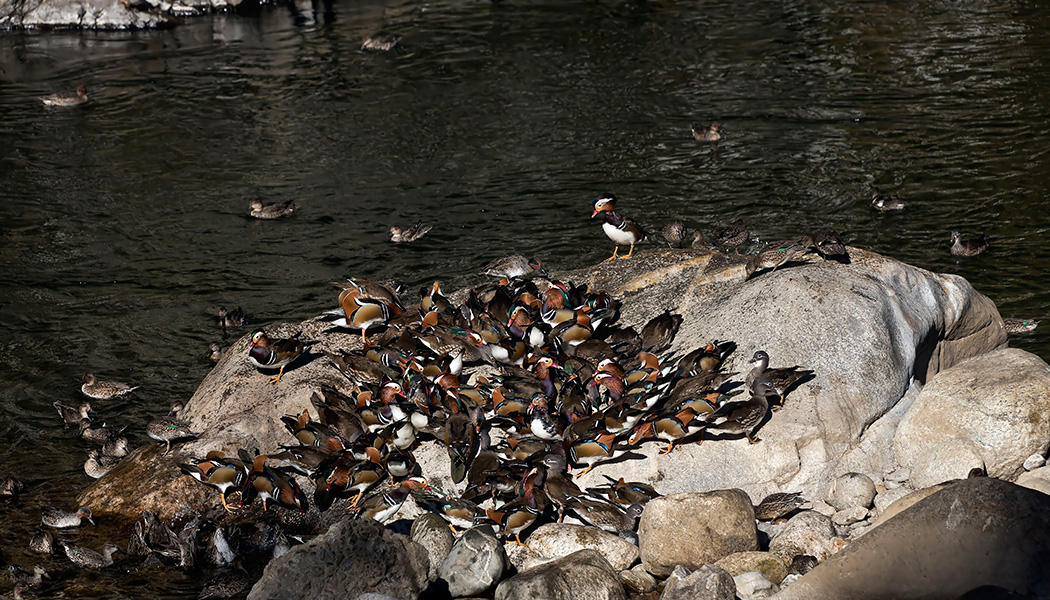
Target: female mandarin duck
{"type": "Point", "coordinates": [265, 353]}
{"type": "Point", "coordinates": [621, 229]}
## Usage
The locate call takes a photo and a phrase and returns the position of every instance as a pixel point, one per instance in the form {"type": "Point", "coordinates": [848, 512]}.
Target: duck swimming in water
{"type": "Point", "coordinates": [74, 98]}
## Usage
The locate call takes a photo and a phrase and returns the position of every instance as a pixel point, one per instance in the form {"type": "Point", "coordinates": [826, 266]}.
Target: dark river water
{"type": "Point", "coordinates": [123, 224]}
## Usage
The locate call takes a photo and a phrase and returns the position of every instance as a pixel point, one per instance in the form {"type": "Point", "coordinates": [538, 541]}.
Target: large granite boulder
{"type": "Point", "coordinates": [868, 329]}
{"type": "Point", "coordinates": [352, 558]}
{"type": "Point", "coordinates": [555, 540]}
{"type": "Point", "coordinates": [998, 402]}
{"type": "Point", "coordinates": [86, 14]}
{"type": "Point", "coordinates": [976, 532]}
{"type": "Point", "coordinates": [694, 529]}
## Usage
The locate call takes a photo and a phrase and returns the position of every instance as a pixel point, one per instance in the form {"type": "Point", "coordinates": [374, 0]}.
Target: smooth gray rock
{"type": "Point", "coordinates": [582, 574]}
{"type": "Point", "coordinates": [951, 459]}
{"type": "Point", "coordinates": [753, 585]}
{"type": "Point", "coordinates": [694, 528]}
{"type": "Point", "coordinates": [808, 532]}
{"type": "Point", "coordinates": [353, 557]}
{"type": "Point", "coordinates": [432, 532]}
{"type": "Point", "coordinates": [475, 564]}
{"type": "Point", "coordinates": [555, 540]}
{"type": "Point", "coordinates": [851, 489]}
{"type": "Point", "coordinates": [999, 401]}
{"type": "Point", "coordinates": [1034, 462]}
{"type": "Point", "coordinates": [709, 582]}
{"type": "Point", "coordinates": [767, 563]}
{"type": "Point", "coordinates": [885, 499]}
{"type": "Point", "coordinates": [850, 516]}
{"type": "Point", "coordinates": [972, 533]}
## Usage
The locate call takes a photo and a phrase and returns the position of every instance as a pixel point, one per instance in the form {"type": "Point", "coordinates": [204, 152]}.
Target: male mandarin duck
{"type": "Point", "coordinates": [607, 517]}
{"type": "Point", "coordinates": [271, 486]}
{"type": "Point", "coordinates": [592, 450]}
{"type": "Point", "coordinates": [265, 353]}
{"type": "Point", "coordinates": [78, 96]}
{"type": "Point", "coordinates": [384, 505]}
{"type": "Point", "coordinates": [228, 475]}
{"type": "Point", "coordinates": [366, 304]}
{"type": "Point", "coordinates": [624, 492]}
{"type": "Point", "coordinates": [540, 422]}
{"type": "Point", "coordinates": [516, 516]}
{"type": "Point", "coordinates": [621, 229]}
{"type": "Point", "coordinates": [671, 427]}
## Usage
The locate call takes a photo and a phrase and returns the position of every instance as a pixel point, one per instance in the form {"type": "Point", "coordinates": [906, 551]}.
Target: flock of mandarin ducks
{"type": "Point", "coordinates": [526, 380]}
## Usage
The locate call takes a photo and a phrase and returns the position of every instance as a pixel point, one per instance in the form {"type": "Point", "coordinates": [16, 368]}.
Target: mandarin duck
{"type": "Point", "coordinates": [228, 475]}
{"type": "Point", "coordinates": [746, 417]}
{"type": "Point", "coordinates": [560, 489]}
{"type": "Point", "coordinates": [271, 486]}
{"type": "Point", "coordinates": [674, 233]}
{"type": "Point", "coordinates": [971, 247]}
{"type": "Point", "coordinates": [607, 517]}
{"type": "Point", "coordinates": [170, 428]}
{"type": "Point", "coordinates": [670, 427]}
{"type": "Point", "coordinates": [540, 422]}
{"type": "Point", "coordinates": [1019, 325]}
{"type": "Point", "coordinates": [16, 594]}
{"type": "Point", "coordinates": [707, 133]}
{"type": "Point", "coordinates": [461, 441]}
{"type": "Point", "coordinates": [622, 230]}
{"type": "Point", "coordinates": [52, 516]}
{"type": "Point", "coordinates": [881, 201]}
{"type": "Point", "coordinates": [73, 415]}
{"type": "Point", "coordinates": [78, 96]}
{"type": "Point", "coordinates": [365, 304]}
{"type": "Point", "coordinates": [625, 493]}
{"type": "Point", "coordinates": [783, 379]}
{"type": "Point", "coordinates": [86, 558]}
{"type": "Point", "coordinates": [103, 390]}
{"type": "Point", "coordinates": [404, 235]}
{"type": "Point", "coordinates": [215, 351]}
{"type": "Point", "coordinates": [457, 512]}
{"type": "Point", "coordinates": [272, 211]}
{"type": "Point", "coordinates": [592, 450]}
{"type": "Point", "coordinates": [705, 359]}
{"type": "Point", "coordinates": [777, 505]}
{"type": "Point", "coordinates": [381, 43]}
{"type": "Point", "coordinates": [659, 332]}
{"type": "Point", "coordinates": [384, 505]}
{"type": "Point", "coordinates": [269, 354]}
{"type": "Point", "coordinates": [514, 517]}
{"type": "Point", "coordinates": [347, 478]}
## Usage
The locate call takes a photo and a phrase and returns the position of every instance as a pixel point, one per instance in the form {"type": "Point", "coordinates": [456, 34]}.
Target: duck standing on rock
{"type": "Point", "coordinates": [265, 353]}
{"type": "Point", "coordinates": [98, 464]}
{"type": "Point", "coordinates": [170, 428]}
{"type": "Point", "coordinates": [972, 247]}
{"type": "Point", "coordinates": [621, 229]}
{"type": "Point", "coordinates": [745, 417]}
{"type": "Point", "coordinates": [104, 390]}
{"type": "Point", "coordinates": [364, 304]}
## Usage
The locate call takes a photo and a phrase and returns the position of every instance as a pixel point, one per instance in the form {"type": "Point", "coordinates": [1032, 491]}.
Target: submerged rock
{"type": "Point", "coordinates": [940, 548]}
